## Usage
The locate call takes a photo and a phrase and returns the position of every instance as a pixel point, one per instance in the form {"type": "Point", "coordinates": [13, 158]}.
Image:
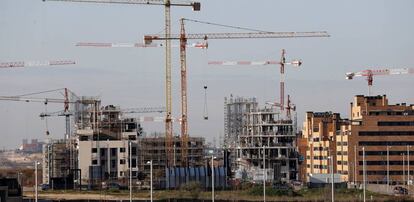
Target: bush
{"type": "Point", "coordinates": [258, 191]}
{"type": "Point", "coordinates": [193, 187]}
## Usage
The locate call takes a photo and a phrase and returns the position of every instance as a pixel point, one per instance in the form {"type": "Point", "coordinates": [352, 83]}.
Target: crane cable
{"type": "Point", "coordinates": [47, 125]}
{"type": "Point", "coordinates": [205, 103]}
{"type": "Point", "coordinates": [223, 25]}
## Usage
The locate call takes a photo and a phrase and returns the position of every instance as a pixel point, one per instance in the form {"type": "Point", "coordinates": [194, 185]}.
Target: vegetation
{"type": "Point", "coordinates": [192, 191]}
{"type": "Point", "coordinates": [193, 188]}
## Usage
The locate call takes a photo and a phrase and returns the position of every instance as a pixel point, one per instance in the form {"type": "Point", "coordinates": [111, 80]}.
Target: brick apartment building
{"type": "Point", "coordinates": [325, 135]}
{"type": "Point", "coordinates": [375, 126]}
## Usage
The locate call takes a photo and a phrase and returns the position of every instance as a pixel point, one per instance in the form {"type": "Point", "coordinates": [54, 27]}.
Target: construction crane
{"type": "Point", "coordinates": [66, 101]}
{"type": "Point", "coordinates": [200, 45]}
{"type": "Point", "coordinates": [370, 73]}
{"type": "Point", "coordinates": [167, 6]}
{"type": "Point", "coordinates": [36, 63]}
{"type": "Point", "coordinates": [289, 106]}
{"type": "Point", "coordinates": [138, 110]}
{"type": "Point", "coordinates": [183, 37]}
{"type": "Point", "coordinates": [282, 63]}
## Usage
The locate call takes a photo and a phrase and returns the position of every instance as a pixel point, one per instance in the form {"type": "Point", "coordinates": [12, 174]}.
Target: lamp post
{"type": "Point", "coordinates": [130, 170]}
{"type": "Point", "coordinates": [264, 174]}
{"type": "Point", "coordinates": [388, 169]}
{"type": "Point", "coordinates": [36, 193]}
{"type": "Point", "coordinates": [408, 164]}
{"type": "Point", "coordinates": [332, 178]}
{"type": "Point", "coordinates": [150, 163]}
{"type": "Point", "coordinates": [363, 167]}
{"type": "Point", "coordinates": [403, 161]}
{"type": "Point", "coordinates": [212, 178]}
{"type": "Point", "coordinates": [355, 165]}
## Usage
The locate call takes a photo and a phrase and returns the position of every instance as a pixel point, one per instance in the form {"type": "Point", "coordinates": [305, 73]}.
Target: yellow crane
{"type": "Point", "coordinates": [167, 5]}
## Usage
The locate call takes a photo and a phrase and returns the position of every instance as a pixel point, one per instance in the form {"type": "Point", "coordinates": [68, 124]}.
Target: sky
{"type": "Point", "coordinates": [371, 34]}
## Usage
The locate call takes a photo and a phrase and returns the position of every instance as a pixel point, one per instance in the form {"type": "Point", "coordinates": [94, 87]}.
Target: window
{"type": "Point", "coordinates": [386, 133]}
{"type": "Point", "coordinates": [122, 149]}
{"type": "Point", "coordinates": [94, 150]}
{"type": "Point", "coordinates": [95, 162]}
{"type": "Point", "coordinates": [122, 161]}
{"type": "Point", "coordinates": [382, 163]}
{"type": "Point", "coordinates": [102, 150]}
{"type": "Point", "coordinates": [383, 143]}
{"type": "Point", "coordinates": [382, 153]}
{"type": "Point", "coordinates": [395, 123]}
{"type": "Point", "coordinates": [113, 151]}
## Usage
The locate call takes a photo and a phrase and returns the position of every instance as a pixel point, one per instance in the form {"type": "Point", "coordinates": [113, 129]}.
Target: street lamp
{"type": "Point", "coordinates": [264, 174]}
{"type": "Point", "coordinates": [35, 164]}
{"type": "Point", "coordinates": [212, 178]}
{"type": "Point", "coordinates": [388, 168]}
{"type": "Point", "coordinates": [363, 169]}
{"type": "Point", "coordinates": [408, 164]}
{"type": "Point", "coordinates": [130, 170]}
{"type": "Point", "coordinates": [332, 177]}
{"type": "Point", "coordinates": [150, 163]}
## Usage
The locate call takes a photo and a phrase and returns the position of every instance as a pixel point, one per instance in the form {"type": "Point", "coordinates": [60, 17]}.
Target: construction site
{"type": "Point", "coordinates": [289, 144]}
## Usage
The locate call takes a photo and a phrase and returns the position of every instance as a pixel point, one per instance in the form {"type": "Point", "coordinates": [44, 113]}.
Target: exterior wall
{"type": "Point", "coordinates": [118, 165]}
{"type": "Point", "coordinates": [326, 135]}
{"type": "Point", "coordinates": [302, 147]}
{"type": "Point", "coordinates": [376, 126]}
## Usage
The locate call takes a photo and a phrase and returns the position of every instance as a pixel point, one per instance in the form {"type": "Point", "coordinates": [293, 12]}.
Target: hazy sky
{"type": "Point", "coordinates": [364, 34]}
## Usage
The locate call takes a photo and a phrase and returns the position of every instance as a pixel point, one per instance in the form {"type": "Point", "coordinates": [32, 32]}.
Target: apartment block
{"type": "Point", "coordinates": [326, 136]}
{"type": "Point", "coordinates": [386, 133]}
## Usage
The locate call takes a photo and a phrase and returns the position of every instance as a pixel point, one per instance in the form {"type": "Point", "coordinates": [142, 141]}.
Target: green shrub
{"type": "Point", "coordinates": [194, 188]}
{"type": "Point", "coordinates": [258, 191]}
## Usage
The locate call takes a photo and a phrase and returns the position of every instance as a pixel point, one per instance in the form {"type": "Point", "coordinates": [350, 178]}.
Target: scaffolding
{"type": "Point", "coordinates": [252, 132]}
{"type": "Point", "coordinates": [153, 148]}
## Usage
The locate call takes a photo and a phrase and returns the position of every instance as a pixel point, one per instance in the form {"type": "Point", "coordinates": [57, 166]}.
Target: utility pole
{"type": "Point", "coordinates": [403, 161]}
{"type": "Point", "coordinates": [130, 170]}
{"type": "Point", "coordinates": [388, 169]}
{"type": "Point", "coordinates": [355, 162]}
{"type": "Point", "coordinates": [408, 164]}
{"type": "Point", "coordinates": [212, 178]}
{"type": "Point", "coordinates": [264, 174]}
{"type": "Point", "coordinates": [333, 178]}
{"type": "Point", "coordinates": [364, 171]}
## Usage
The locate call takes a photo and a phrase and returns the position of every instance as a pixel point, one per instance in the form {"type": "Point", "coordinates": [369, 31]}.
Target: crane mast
{"type": "Point", "coordinates": [282, 79]}
{"type": "Point", "coordinates": [168, 94]}
{"type": "Point", "coordinates": [184, 121]}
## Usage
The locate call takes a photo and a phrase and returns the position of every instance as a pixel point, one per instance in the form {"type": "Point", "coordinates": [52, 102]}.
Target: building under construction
{"type": "Point", "coordinates": [260, 138]}
{"type": "Point", "coordinates": [153, 148]}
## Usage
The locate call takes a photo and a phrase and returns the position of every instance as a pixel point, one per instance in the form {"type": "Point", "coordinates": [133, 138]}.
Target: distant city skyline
{"type": "Point", "coordinates": [364, 34]}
